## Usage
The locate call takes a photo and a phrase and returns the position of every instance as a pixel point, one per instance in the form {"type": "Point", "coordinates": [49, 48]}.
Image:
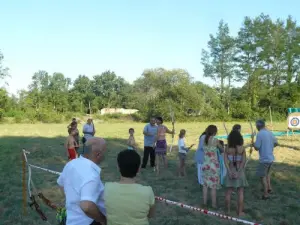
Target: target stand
{"type": "Point", "coordinates": [293, 120]}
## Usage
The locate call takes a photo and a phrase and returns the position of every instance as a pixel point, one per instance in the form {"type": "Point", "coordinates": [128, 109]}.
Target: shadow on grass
{"type": "Point", "coordinates": [49, 153]}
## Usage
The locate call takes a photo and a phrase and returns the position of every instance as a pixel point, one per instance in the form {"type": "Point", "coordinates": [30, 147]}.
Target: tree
{"type": "Point", "coordinates": [218, 61]}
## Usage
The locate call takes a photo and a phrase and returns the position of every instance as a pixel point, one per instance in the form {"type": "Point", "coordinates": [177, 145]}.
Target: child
{"type": "Point", "coordinates": [71, 144]}
{"type": "Point", "coordinates": [131, 141]}
{"type": "Point", "coordinates": [182, 151]}
{"type": "Point", "coordinates": [76, 136]}
{"type": "Point", "coordinates": [127, 202]}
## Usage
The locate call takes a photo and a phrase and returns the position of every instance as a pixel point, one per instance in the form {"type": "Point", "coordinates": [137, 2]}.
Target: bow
{"type": "Point", "coordinates": [252, 142]}
{"type": "Point", "coordinates": [173, 126]}
{"type": "Point", "coordinates": [225, 128]}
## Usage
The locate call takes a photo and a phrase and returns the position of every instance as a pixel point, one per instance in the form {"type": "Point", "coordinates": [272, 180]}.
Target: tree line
{"type": "Point", "coordinates": [264, 58]}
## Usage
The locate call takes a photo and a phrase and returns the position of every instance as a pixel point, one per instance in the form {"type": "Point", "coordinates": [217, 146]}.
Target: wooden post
{"type": "Point", "coordinates": [24, 185]}
{"type": "Point", "coordinates": [270, 111]}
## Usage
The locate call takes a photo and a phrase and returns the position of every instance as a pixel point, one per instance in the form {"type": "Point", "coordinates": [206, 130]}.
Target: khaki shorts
{"type": "Point", "coordinates": [263, 169]}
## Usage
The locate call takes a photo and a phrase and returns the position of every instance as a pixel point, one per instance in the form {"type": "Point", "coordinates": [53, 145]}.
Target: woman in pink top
{"type": "Point", "coordinates": [161, 143]}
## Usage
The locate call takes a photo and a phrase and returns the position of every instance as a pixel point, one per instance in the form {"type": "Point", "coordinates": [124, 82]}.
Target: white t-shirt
{"type": "Point", "coordinates": [181, 146]}
{"type": "Point", "coordinates": [80, 179]}
{"type": "Point", "coordinates": [88, 128]}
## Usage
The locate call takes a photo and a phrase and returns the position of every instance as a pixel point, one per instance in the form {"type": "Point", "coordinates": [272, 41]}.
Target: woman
{"type": "Point", "coordinates": [199, 157]}
{"type": "Point", "coordinates": [161, 143]}
{"type": "Point", "coordinates": [235, 158]}
{"type": "Point", "coordinates": [211, 165]}
{"type": "Point", "coordinates": [237, 127]}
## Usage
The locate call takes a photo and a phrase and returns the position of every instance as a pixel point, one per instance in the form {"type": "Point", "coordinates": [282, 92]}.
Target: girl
{"type": "Point", "coordinates": [235, 158]}
{"type": "Point", "coordinates": [161, 143]}
{"type": "Point", "coordinates": [131, 141]}
{"type": "Point", "coordinates": [211, 166]}
{"type": "Point", "coordinates": [182, 151]}
{"type": "Point", "coordinates": [199, 157]}
{"type": "Point", "coordinates": [71, 144]}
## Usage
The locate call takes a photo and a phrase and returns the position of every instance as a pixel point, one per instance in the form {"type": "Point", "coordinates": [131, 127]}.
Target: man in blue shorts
{"type": "Point", "coordinates": [264, 144]}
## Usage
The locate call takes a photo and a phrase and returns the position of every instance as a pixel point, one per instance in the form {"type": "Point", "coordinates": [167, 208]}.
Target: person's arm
{"type": "Point", "coordinates": [275, 141]}
{"type": "Point", "coordinates": [152, 204]}
{"type": "Point", "coordinates": [60, 182]}
{"type": "Point", "coordinates": [257, 144]}
{"type": "Point", "coordinates": [94, 130]}
{"type": "Point", "coordinates": [145, 131]}
{"type": "Point", "coordinates": [155, 138]}
{"type": "Point", "coordinates": [67, 146]}
{"type": "Point", "coordinates": [243, 159]}
{"type": "Point", "coordinates": [169, 131]}
{"type": "Point", "coordinates": [89, 195]}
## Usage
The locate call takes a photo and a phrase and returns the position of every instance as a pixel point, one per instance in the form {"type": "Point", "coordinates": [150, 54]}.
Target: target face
{"type": "Point", "coordinates": [294, 122]}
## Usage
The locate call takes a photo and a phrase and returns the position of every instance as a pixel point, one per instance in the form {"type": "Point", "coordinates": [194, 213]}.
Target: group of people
{"type": "Point", "coordinates": [72, 144]}
{"type": "Point", "coordinates": [89, 201]}
{"type": "Point", "coordinates": [212, 154]}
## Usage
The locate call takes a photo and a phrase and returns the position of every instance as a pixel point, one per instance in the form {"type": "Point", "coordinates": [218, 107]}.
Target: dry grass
{"type": "Point", "coordinates": [45, 142]}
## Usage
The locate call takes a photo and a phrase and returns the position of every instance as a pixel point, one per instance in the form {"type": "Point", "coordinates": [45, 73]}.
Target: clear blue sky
{"type": "Point", "coordinates": [125, 36]}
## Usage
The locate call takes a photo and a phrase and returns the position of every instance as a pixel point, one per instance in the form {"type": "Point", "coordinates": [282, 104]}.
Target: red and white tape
{"type": "Point", "coordinates": [204, 211]}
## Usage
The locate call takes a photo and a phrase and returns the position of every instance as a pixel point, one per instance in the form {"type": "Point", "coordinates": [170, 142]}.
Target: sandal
{"type": "Point", "coordinates": [265, 197]}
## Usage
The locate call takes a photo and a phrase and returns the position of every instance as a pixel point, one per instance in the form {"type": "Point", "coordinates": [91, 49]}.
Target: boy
{"type": "Point", "coordinates": [127, 202]}
{"type": "Point", "coordinates": [71, 144]}
{"type": "Point", "coordinates": [182, 152]}
{"type": "Point", "coordinates": [131, 141]}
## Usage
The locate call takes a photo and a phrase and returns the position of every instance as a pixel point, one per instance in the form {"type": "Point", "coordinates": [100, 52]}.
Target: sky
{"type": "Point", "coordinates": [125, 36]}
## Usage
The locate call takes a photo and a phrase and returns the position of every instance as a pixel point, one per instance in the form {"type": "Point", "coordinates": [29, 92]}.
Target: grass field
{"type": "Point", "coordinates": [45, 142]}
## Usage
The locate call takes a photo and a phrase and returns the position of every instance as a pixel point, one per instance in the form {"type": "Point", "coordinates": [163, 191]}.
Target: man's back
{"type": "Point", "coordinates": [265, 142]}
{"type": "Point", "coordinates": [74, 179]}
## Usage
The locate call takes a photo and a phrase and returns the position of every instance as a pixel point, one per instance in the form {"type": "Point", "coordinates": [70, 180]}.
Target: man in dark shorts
{"type": "Point", "coordinates": [264, 144]}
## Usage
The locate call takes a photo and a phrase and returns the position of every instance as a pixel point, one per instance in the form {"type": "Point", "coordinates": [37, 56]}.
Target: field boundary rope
{"type": "Point", "coordinates": [160, 199]}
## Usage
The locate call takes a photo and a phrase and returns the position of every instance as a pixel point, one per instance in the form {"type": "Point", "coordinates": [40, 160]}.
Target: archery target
{"type": "Point", "coordinates": [294, 122]}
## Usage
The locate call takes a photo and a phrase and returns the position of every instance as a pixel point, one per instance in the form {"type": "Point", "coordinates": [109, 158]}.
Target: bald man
{"type": "Point", "coordinates": [82, 186]}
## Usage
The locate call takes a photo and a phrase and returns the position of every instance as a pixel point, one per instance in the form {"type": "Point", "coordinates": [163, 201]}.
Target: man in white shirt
{"type": "Point", "coordinates": [82, 186]}
{"type": "Point", "coordinates": [88, 130]}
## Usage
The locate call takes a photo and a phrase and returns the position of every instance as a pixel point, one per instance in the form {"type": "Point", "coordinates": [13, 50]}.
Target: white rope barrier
{"type": "Point", "coordinates": [204, 211]}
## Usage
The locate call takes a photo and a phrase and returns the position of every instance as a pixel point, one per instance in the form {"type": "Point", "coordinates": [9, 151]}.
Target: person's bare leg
{"type": "Point", "coordinates": [165, 161]}
{"type": "Point", "coordinates": [214, 197]}
{"type": "Point", "coordinates": [157, 163]}
{"type": "Point", "coordinates": [179, 167]}
{"type": "Point", "coordinates": [240, 202]}
{"type": "Point", "coordinates": [265, 186]}
{"type": "Point", "coordinates": [227, 199]}
{"type": "Point", "coordinates": [269, 182]}
{"type": "Point", "coordinates": [204, 192]}
{"type": "Point", "coordinates": [183, 168]}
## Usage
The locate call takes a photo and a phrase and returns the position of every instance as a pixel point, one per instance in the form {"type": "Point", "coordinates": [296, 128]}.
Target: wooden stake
{"type": "Point", "coordinates": [270, 111]}
{"type": "Point", "coordinates": [24, 185]}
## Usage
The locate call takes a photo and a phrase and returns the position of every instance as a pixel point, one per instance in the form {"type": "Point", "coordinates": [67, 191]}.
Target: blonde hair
{"type": "Point", "coordinates": [182, 133]}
